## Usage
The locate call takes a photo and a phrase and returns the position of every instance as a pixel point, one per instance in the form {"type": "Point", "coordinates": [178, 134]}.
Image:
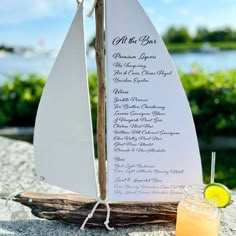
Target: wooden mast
{"type": "Point", "coordinates": [101, 109]}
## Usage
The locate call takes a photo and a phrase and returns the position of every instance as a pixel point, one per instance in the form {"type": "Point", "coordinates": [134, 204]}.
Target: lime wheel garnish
{"type": "Point", "coordinates": [218, 194]}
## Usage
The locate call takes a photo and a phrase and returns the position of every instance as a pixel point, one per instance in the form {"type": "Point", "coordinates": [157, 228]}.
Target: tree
{"type": "Point", "coordinates": [177, 35]}
{"type": "Point", "coordinates": [221, 35]}
{"type": "Point", "coordinates": [202, 35]}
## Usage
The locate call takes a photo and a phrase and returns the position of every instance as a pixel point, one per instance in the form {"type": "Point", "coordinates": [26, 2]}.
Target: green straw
{"type": "Point", "coordinates": [213, 163]}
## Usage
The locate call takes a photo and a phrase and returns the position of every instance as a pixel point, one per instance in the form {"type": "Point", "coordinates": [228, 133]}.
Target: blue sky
{"type": "Point", "coordinates": [27, 22]}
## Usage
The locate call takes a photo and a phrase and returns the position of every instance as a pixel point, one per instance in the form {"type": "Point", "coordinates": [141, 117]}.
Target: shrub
{"type": "Point", "coordinates": [212, 97]}
{"type": "Point", "coordinates": [19, 98]}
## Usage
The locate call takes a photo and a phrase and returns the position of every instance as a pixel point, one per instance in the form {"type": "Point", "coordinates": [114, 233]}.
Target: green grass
{"type": "Point", "coordinates": [190, 47]}
{"type": "Point", "coordinates": [183, 47]}
{"type": "Point", "coordinates": [225, 167]}
{"type": "Point", "coordinates": [225, 45]}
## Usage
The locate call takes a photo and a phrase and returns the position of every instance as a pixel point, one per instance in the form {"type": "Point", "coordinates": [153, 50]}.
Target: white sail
{"type": "Point", "coordinates": [63, 140]}
{"type": "Point", "coordinates": [152, 146]}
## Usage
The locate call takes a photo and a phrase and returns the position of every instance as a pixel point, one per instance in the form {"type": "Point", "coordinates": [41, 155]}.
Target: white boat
{"type": "Point", "coordinates": [3, 53]}
{"type": "Point", "coordinates": [152, 149]}
{"type": "Point", "coordinates": [207, 48]}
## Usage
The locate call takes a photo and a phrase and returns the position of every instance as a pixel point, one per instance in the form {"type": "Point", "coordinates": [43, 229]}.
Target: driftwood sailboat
{"type": "Point", "coordinates": [152, 149]}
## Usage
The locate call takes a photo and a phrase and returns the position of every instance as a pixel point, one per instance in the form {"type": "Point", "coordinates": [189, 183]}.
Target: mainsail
{"type": "Point", "coordinates": [152, 146]}
{"type": "Point", "coordinates": [63, 140]}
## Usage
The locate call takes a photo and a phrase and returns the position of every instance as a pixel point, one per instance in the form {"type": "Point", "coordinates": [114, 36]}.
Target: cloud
{"type": "Point", "coordinates": [197, 19]}
{"type": "Point", "coordinates": [184, 12]}
{"type": "Point", "coordinates": [151, 10]}
{"type": "Point", "coordinates": [16, 12]}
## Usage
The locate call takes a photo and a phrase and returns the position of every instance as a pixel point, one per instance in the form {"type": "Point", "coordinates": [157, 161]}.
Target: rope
{"type": "Point", "coordinates": [92, 10]}
{"type": "Point", "coordinates": [90, 215]}
{"type": "Point", "coordinates": [12, 195]}
{"type": "Point", "coordinates": [79, 2]}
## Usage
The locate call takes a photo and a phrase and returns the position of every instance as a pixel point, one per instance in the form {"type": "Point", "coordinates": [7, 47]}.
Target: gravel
{"type": "Point", "coordinates": [17, 170]}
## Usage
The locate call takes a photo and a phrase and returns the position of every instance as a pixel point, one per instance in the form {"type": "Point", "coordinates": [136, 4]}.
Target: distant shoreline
{"type": "Point", "coordinates": [40, 63]}
{"type": "Point", "coordinates": [172, 47]}
{"type": "Point", "coordinates": [197, 47]}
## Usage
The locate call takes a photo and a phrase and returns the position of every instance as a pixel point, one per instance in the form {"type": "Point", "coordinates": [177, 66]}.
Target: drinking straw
{"type": "Point", "coordinates": [213, 163]}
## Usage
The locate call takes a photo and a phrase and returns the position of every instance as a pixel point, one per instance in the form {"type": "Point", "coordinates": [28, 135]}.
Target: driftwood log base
{"type": "Point", "coordinates": [73, 208]}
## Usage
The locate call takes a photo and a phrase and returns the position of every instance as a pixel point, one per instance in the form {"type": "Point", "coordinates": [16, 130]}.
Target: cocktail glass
{"type": "Point", "coordinates": [195, 215]}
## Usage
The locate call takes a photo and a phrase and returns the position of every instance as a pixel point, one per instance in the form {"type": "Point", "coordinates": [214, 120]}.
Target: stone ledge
{"type": "Point", "coordinates": [18, 133]}
{"type": "Point", "coordinates": [17, 167]}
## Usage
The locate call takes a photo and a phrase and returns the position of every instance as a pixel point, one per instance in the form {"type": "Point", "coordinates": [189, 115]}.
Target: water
{"type": "Point", "coordinates": [210, 61]}
{"type": "Point", "coordinates": [42, 64]}
{"type": "Point", "coordinates": [13, 64]}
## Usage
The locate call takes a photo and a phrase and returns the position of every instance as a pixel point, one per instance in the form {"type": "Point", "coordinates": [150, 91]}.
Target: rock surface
{"type": "Point", "coordinates": [17, 170]}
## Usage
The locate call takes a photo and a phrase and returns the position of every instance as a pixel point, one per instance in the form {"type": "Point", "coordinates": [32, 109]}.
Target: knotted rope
{"type": "Point", "coordinates": [90, 215]}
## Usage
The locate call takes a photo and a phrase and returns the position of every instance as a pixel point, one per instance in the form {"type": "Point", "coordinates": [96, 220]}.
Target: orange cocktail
{"type": "Point", "coordinates": [195, 216]}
